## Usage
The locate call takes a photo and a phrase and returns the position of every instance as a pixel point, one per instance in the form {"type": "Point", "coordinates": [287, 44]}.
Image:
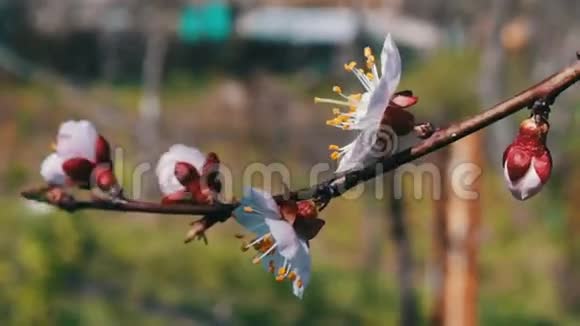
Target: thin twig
{"type": "Point", "coordinates": [546, 90]}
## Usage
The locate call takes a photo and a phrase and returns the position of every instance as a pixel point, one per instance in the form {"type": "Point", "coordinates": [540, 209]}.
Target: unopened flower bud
{"type": "Point", "coordinates": [527, 162]}
{"type": "Point", "coordinates": [307, 209]}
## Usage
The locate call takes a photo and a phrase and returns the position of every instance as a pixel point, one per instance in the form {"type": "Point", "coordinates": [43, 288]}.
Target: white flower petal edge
{"type": "Point", "coordinates": [365, 110]}
{"type": "Point", "coordinates": [77, 139]}
{"type": "Point", "coordinates": [358, 153]}
{"type": "Point", "coordinates": [165, 170]}
{"type": "Point", "coordinates": [51, 170]}
{"type": "Point", "coordinates": [388, 83]}
{"type": "Point", "coordinates": [527, 186]}
{"type": "Point", "coordinates": [288, 256]}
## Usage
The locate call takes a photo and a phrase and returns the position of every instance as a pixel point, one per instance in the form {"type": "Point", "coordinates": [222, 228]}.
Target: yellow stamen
{"type": "Point", "coordinates": [281, 271]}
{"type": "Point", "coordinates": [333, 147]}
{"type": "Point", "coordinates": [350, 66]}
{"type": "Point", "coordinates": [368, 52]}
{"type": "Point", "coordinates": [337, 89]}
{"type": "Point", "coordinates": [352, 109]}
{"type": "Point", "coordinates": [370, 76]}
{"type": "Point", "coordinates": [280, 278]}
{"type": "Point", "coordinates": [53, 146]}
{"type": "Point", "coordinates": [355, 97]}
{"type": "Point", "coordinates": [330, 101]}
{"type": "Point", "coordinates": [370, 61]}
{"type": "Point", "coordinates": [256, 260]}
{"type": "Point", "coordinates": [248, 209]}
{"type": "Point", "coordinates": [299, 283]}
{"type": "Point", "coordinates": [346, 127]}
{"type": "Point", "coordinates": [336, 111]}
{"type": "Point", "coordinates": [292, 276]}
{"type": "Point", "coordinates": [335, 155]}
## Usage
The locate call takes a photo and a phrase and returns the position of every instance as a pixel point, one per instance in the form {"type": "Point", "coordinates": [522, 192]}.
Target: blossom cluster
{"type": "Point", "coordinates": [281, 229]}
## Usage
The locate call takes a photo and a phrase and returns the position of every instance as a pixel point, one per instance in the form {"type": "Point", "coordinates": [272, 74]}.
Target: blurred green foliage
{"type": "Point", "coordinates": [111, 269]}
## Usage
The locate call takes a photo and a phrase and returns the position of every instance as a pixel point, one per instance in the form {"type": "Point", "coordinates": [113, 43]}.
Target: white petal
{"type": "Point", "coordinates": [51, 170]}
{"type": "Point", "coordinates": [77, 139]}
{"type": "Point", "coordinates": [285, 236]}
{"type": "Point", "coordinates": [359, 152]}
{"type": "Point", "coordinates": [188, 154]}
{"type": "Point", "coordinates": [301, 264]}
{"type": "Point", "coordinates": [264, 202]}
{"type": "Point", "coordinates": [388, 83]}
{"type": "Point", "coordinates": [525, 187]}
{"type": "Point", "coordinates": [261, 204]}
{"type": "Point", "coordinates": [165, 170]}
{"type": "Point", "coordinates": [390, 65]}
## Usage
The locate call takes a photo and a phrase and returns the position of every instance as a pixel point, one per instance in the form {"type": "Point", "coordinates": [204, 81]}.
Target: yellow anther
{"type": "Point", "coordinates": [53, 146]}
{"type": "Point", "coordinates": [350, 66]}
{"type": "Point", "coordinates": [332, 122]}
{"type": "Point", "coordinates": [299, 283]}
{"type": "Point", "coordinates": [248, 209]}
{"type": "Point", "coordinates": [352, 109]}
{"type": "Point", "coordinates": [336, 111]}
{"type": "Point", "coordinates": [292, 276]}
{"type": "Point", "coordinates": [335, 155]}
{"type": "Point", "coordinates": [256, 260]}
{"type": "Point", "coordinates": [342, 118]}
{"type": "Point", "coordinates": [370, 76]}
{"type": "Point", "coordinates": [356, 97]}
{"type": "Point", "coordinates": [371, 62]}
{"type": "Point", "coordinates": [368, 52]}
{"type": "Point", "coordinates": [317, 100]}
{"type": "Point", "coordinates": [280, 278]}
{"type": "Point", "coordinates": [333, 147]}
{"type": "Point", "coordinates": [337, 89]}
{"type": "Point", "coordinates": [346, 127]}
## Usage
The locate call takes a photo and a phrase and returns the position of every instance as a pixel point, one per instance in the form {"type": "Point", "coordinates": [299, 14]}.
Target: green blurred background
{"type": "Point", "coordinates": [238, 78]}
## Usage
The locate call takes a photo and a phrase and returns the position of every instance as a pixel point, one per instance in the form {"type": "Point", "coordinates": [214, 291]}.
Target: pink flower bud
{"type": "Point", "coordinates": [307, 209]}
{"type": "Point", "coordinates": [103, 150]}
{"type": "Point", "coordinates": [105, 178]}
{"type": "Point", "coordinates": [186, 173]}
{"type": "Point", "coordinates": [527, 162]}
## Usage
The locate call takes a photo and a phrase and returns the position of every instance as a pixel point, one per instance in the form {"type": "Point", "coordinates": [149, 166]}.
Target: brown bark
{"type": "Point", "coordinates": [462, 219]}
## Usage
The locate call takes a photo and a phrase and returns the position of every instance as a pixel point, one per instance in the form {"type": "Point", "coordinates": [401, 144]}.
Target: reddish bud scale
{"type": "Point", "coordinates": [400, 120]}
{"type": "Point", "coordinates": [307, 209]}
{"type": "Point", "coordinates": [79, 170]}
{"type": "Point", "coordinates": [105, 178]}
{"type": "Point", "coordinates": [103, 150]}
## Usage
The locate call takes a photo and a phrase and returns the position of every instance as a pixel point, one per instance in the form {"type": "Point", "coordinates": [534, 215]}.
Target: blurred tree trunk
{"type": "Point", "coordinates": [439, 241]}
{"type": "Point", "coordinates": [405, 266]}
{"type": "Point", "coordinates": [148, 138]}
{"type": "Point", "coordinates": [456, 239]}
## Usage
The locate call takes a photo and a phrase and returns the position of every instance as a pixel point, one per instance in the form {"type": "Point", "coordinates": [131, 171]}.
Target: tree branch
{"type": "Point", "coordinates": [546, 90]}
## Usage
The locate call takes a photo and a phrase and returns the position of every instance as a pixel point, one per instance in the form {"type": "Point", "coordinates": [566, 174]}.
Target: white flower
{"type": "Point", "coordinates": [165, 170]}
{"type": "Point", "coordinates": [280, 250]}
{"type": "Point", "coordinates": [75, 139]}
{"type": "Point", "coordinates": [366, 110]}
